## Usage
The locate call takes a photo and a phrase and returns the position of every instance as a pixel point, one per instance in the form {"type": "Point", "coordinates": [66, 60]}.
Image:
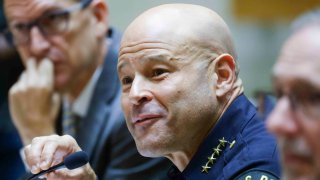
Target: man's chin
{"type": "Point", "coordinates": [299, 177]}
{"type": "Point", "coordinates": [61, 84]}
{"type": "Point", "coordinates": [147, 150]}
{"type": "Point", "coordinates": [61, 89]}
{"type": "Point", "coordinates": [299, 174]}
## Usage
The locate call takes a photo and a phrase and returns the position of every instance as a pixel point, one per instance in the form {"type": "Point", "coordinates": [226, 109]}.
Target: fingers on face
{"type": "Point", "coordinates": [46, 72]}
{"type": "Point", "coordinates": [40, 75]}
{"type": "Point", "coordinates": [35, 77]}
{"type": "Point", "coordinates": [31, 72]}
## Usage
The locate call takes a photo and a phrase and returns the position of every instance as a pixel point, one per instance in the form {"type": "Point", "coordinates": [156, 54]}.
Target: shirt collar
{"type": "Point", "coordinates": [81, 104]}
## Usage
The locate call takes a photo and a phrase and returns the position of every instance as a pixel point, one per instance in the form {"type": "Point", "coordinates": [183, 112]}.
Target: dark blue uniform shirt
{"type": "Point", "coordinates": [250, 151]}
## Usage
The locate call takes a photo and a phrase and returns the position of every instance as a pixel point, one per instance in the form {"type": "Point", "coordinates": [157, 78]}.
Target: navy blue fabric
{"type": "Point", "coordinates": [2, 18]}
{"type": "Point", "coordinates": [256, 174]}
{"type": "Point", "coordinates": [11, 166]}
{"type": "Point", "coordinates": [255, 148]}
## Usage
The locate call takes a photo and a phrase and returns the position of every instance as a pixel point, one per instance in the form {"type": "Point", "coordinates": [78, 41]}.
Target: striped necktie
{"type": "Point", "coordinates": [69, 123]}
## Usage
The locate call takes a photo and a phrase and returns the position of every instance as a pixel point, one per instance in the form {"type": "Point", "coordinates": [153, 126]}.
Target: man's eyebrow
{"type": "Point", "coordinates": [55, 8]}
{"type": "Point", "coordinates": [149, 59]}
{"type": "Point", "coordinates": [161, 58]}
{"type": "Point", "coordinates": [121, 65]}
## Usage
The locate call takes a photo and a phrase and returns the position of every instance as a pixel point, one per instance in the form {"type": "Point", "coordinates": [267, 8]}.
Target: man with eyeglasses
{"type": "Point", "coordinates": [70, 61]}
{"type": "Point", "coordinates": [296, 118]}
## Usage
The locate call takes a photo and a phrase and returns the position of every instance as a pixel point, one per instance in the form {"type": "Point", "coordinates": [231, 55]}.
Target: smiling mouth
{"type": "Point", "coordinates": [290, 158]}
{"type": "Point", "coordinates": [145, 118]}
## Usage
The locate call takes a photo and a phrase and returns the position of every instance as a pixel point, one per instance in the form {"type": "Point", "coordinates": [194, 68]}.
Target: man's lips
{"type": "Point", "coordinates": [144, 117]}
{"type": "Point", "coordinates": [292, 158]}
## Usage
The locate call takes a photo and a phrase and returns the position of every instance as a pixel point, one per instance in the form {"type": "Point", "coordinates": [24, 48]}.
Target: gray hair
{"type": "Point", "coordinates": [311, 18]}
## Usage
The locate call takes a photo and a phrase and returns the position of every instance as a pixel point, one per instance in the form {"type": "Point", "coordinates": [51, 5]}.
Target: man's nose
{"type": "Point", "coordinates": [282, 120]}
{"type": "Point", "coordinates": [39, 45]}
{"type": "Point", "coordinates": [139, 92]}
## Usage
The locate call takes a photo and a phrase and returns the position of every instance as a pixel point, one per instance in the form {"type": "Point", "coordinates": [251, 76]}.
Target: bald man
{"type": "Point", "coordinates": [295, 119]}
{"type": "Point", "coordinates": [183, 99]}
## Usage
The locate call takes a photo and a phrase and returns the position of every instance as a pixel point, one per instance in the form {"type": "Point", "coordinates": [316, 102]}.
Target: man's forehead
{"type": "Point", "coordinates": [287, 72]}
{"type": "Point", "coordinates": [301, 51]}
{"type": "Point", "coordinates": [150, 57]}
{"type": "Point", "coordinates": [305, 42]}
{"type": "Point", "coordinates": [25, 8]}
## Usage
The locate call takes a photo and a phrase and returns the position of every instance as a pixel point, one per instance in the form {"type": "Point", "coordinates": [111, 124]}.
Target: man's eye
{"type": "Point", "coordinates": [21, 27]}
{"type": "Point", "coordinates": [54, 22]}
{"type": "Point", "coordinates": [126, 80]}
{"type": "Point", "coordinates": [158, 72]}
{"type": "Point", "coordinates": [313, 99]}
{"type": "Point", "coordinates": [53, 18]}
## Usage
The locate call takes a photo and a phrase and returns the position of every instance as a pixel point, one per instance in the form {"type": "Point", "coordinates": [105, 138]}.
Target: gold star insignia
{"type": "Point", "coordinates": [211, 159]}
{"type": "Point", "coordinates": [222, 141]}
{"type": "Point", "coordinates": [205, 168]}
{"type": "Point", "coordinates": [219, 146]}
{"type": "Point", "coordinates": [217, 151]}
{"type": "Point", "coordinates": [232, 143]}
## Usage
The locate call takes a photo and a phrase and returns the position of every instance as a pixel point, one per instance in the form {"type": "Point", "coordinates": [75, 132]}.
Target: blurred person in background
{"type": "Point", "coordinates": [295, 119]}
{"type": "Point", "coordinates": [70, 58]}
{"type": "Point", "coordinates": [11, 166]}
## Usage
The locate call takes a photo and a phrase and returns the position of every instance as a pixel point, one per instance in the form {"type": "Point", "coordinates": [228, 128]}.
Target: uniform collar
{"type": "Point", "coordinates": [228, 126]}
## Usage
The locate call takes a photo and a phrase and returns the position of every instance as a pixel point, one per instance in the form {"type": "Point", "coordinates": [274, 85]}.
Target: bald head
{"type": "Point", "coordinates": [181, 24]}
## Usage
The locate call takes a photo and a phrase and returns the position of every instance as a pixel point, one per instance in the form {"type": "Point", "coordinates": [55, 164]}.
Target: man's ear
{"type": "Point", "coordinates": [101, 14]}
{"type": "Point", "coordinates": [225, 70]}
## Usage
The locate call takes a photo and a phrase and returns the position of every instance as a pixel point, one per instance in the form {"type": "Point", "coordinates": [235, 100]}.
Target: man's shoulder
{"type": "Point", "coordinates": [257, 140]}
{"type": "Point", "coordinates": [255, 149]}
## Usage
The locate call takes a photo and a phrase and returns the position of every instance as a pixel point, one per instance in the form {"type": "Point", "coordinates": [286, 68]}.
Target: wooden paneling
{"type": "Point", "coordinates": [271, 10]}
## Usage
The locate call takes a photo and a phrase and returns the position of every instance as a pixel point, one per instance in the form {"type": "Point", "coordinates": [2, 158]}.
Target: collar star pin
{"type": "Point", "coordinates": [232, 144]}
{"type": "Point", "coordinates": [205, 168]}
{"type": "Point", "coordinates": [211, 159]}
{"type": "Point", "coordinates": [222, 141]}
{"type": "Point", "coordinates": [217, 151]}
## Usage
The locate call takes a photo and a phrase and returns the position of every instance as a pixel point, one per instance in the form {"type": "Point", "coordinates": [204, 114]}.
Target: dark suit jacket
{"type": "Point", "coordinates": [11, 166]}
{"type": "Point", "coordinates": [103, 133]}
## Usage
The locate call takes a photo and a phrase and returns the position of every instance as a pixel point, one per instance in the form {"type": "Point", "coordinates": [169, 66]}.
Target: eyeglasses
{"type": "Point", "coordinates": [52, 23]}
{"type": "Point", "coordinates": [306, 104]}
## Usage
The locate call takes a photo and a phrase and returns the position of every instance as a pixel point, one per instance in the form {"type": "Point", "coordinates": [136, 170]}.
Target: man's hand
{"type": "Point", "coordinates": [33, 104]}
{"type": "Point", "coordinates": [47, 151]}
